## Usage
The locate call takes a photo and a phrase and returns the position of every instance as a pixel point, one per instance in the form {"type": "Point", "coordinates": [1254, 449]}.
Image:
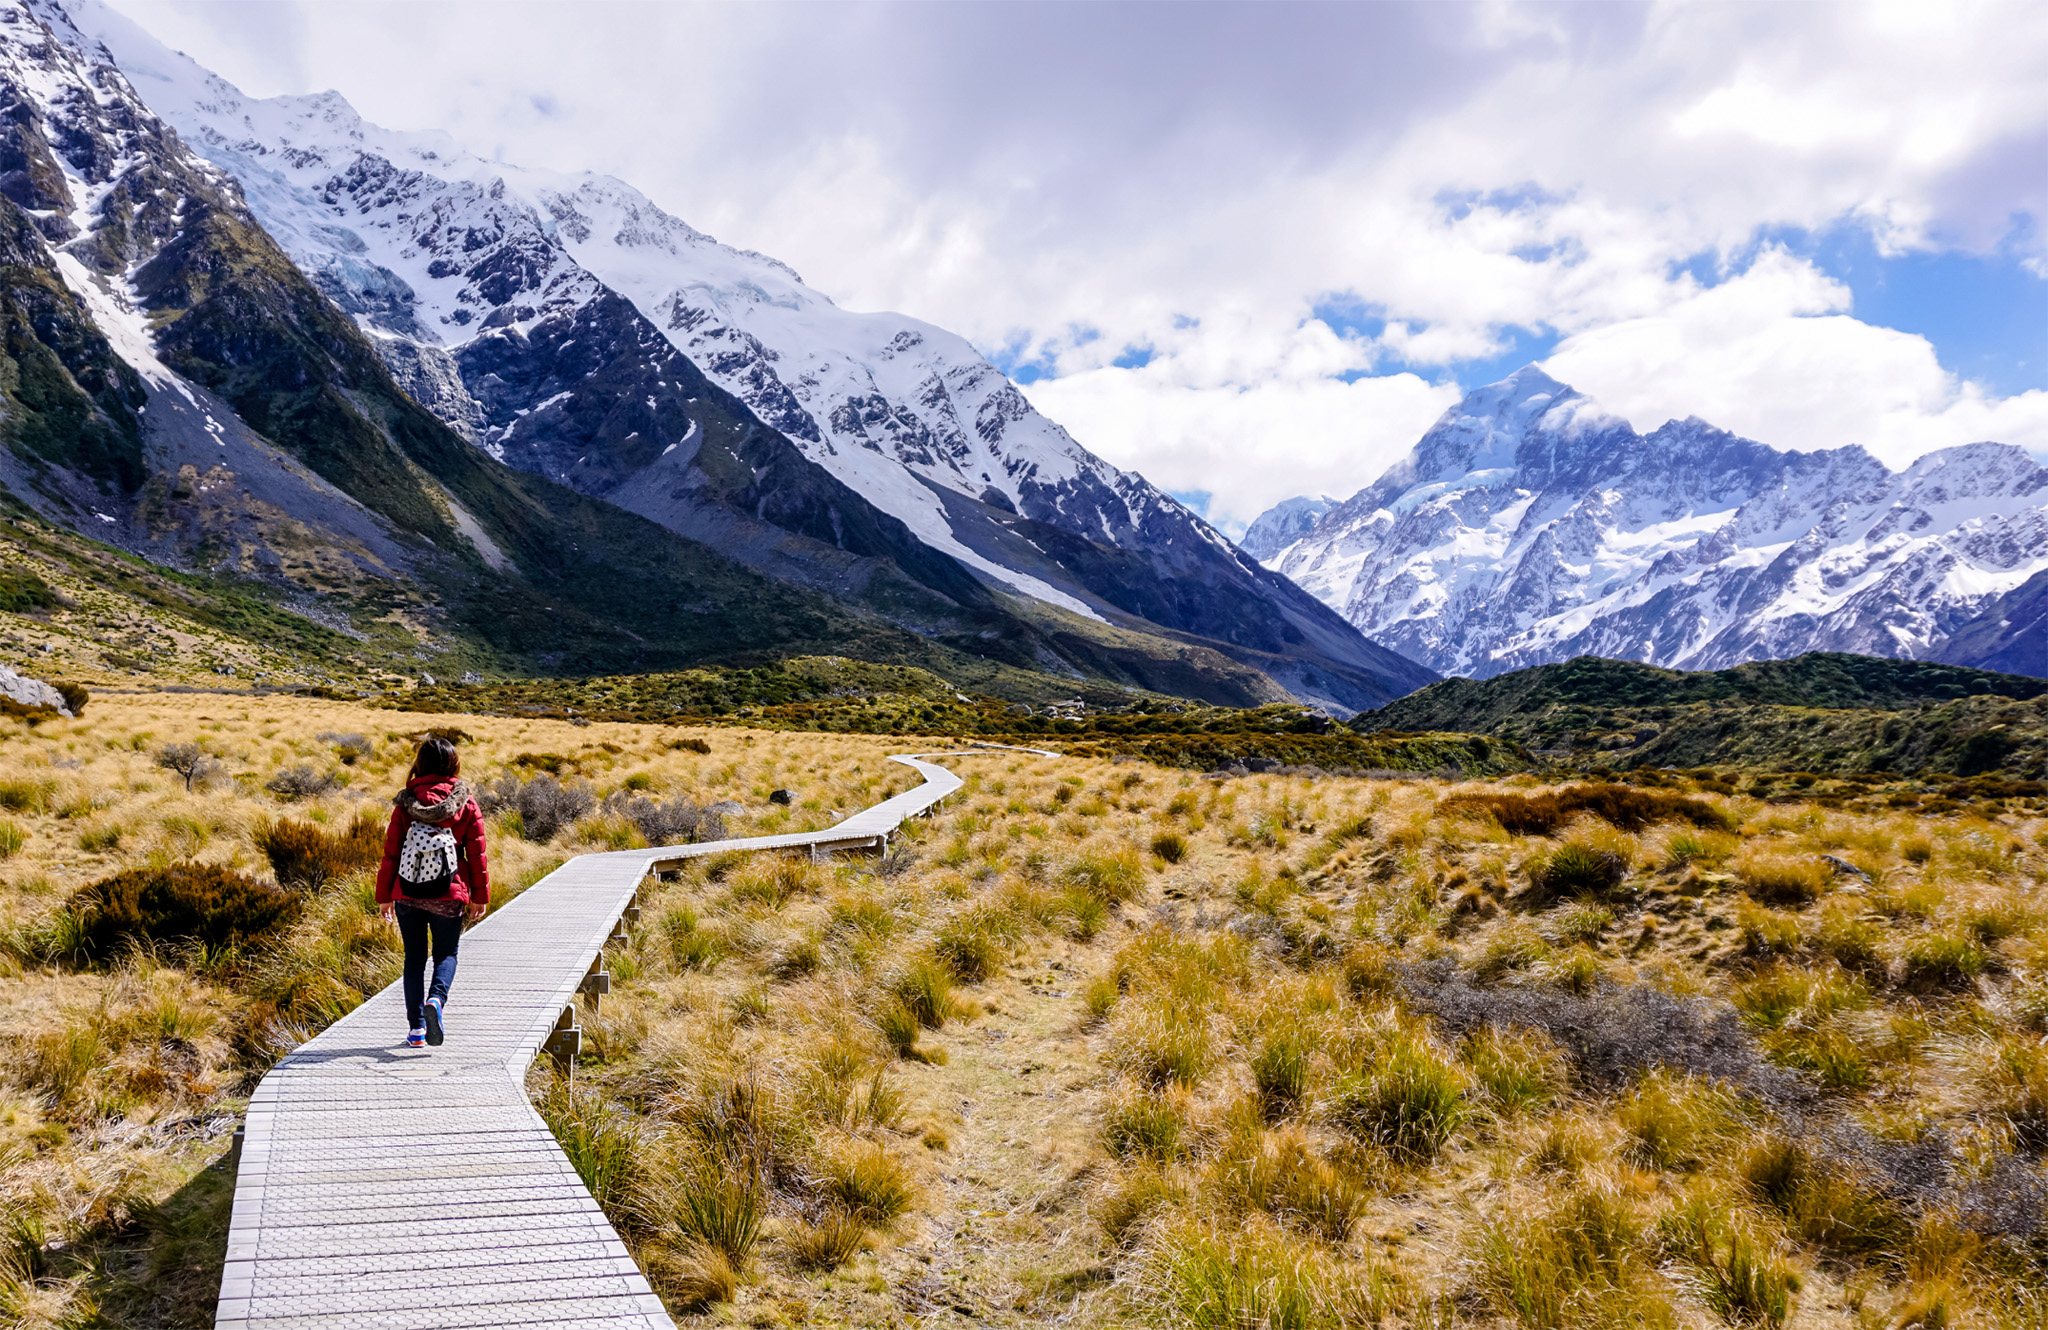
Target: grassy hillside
{"type": "Point", "coordinates": [846, 696]}
{"type": "Point", "coordinates": [1822, 712]}
{"type": "Point", "coordinates": [1099, 1045]}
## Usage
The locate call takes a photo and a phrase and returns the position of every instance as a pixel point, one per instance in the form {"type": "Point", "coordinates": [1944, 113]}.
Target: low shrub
{"type": "Point", "coordinates": [827, 1242]}
{"type": "Point", "coordinates": [543, 805]}
{"type": "Point", "coordinates": [1623, 806]}
{"type": "Point", "coordinates": [349, 748]}
{"type": "Point", "coordinates": [204, 903]}
{"type": "Point", "coordinates": [925, 988]}
{"type": "Point", "coordinates": [1782, 879]}
{"type": "Point", "coordinates": [302, 782]}
{"type": "Point", "coordinates": [188, 761]}
{"type": "Point", "coordinates": [1141, 1124]}
{"type": "Point", "coordinates": [674, 822]}
{"type": "Point", "coordinates": [1170, 846]}
{"type": "Point", "coordinates": [1407, 1100]}
{"type": "Point", "coordinates": [1576, 869]}
{"type": "Point", "coordinates": [869, 1183]}
{"type": "Point", "coordinates": [1111, 877]}
{"type": "Point", "coordinates": [306, 856]}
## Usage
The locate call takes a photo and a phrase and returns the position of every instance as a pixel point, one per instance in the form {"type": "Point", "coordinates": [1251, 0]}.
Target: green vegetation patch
{"type": "Point", "coordinates": [1823, 712]}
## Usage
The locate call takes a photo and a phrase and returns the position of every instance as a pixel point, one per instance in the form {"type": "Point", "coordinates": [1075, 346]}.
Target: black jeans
{"type": "Point", "coordinates": [416, 927]}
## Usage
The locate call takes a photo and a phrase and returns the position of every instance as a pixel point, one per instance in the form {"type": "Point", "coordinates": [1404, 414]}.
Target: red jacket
{"type": "Point", "coordinates": [443, 801]}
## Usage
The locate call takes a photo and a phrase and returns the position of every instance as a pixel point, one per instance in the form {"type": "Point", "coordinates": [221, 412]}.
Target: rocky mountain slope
{"type": "Point", "coordinates": [1530, 526]}
{"type": "Point", "coordinates": [568, 327]}
{"type": "Point", "coordinates": [1284, 523]}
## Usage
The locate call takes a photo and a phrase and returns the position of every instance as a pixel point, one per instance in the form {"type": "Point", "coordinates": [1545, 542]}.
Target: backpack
{"type": "Point", "coordinates": [426, 861]}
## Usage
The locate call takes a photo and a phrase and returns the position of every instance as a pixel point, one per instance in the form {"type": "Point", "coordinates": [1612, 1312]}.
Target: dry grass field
{"type": "Point", "coordinates": [1100, 1044]}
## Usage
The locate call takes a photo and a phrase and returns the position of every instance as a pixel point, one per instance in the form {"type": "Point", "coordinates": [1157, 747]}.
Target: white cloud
{"type": "Point", "coordinates": [1248, 444]}
{"type": "Point", "coordinates": [1029, 173]}
{"type": "Point", "coordinates": [1773, 355]}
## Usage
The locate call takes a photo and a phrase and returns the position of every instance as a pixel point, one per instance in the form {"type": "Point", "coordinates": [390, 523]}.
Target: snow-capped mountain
{"type": "Point", "coordinates": [1529, 526]}
{"type": "Point", "coordinates": [568, 326]}
{"type": "Point", "coordinates": [176, 383]}
{"type": "Point", "coordinates": [1284, 523]}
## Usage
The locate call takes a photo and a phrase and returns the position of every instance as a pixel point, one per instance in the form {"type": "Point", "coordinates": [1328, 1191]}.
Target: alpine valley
{"type": "Point", "coordinates": [1529, 527]}
{"type": "Point", "coordinates": [477, 417]}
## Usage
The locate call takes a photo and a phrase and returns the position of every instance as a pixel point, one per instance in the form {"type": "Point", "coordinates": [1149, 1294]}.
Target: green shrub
{"type": "Point", "coordinates": [1111, 878]}
{"type": "Point", "coordinates": [871, 1184]}
{"type": "Point", "coordinates": [925, 988]}
{"type": "Point", "coordinates": [1577, 869]}
{"type": "Point", "coordinates": [1280, 1070]}
{"type": "Point", "coordinates": [75, 697]}
{"type": "Point", "coordinates": [1170, 846]}
{"type": "Point", "coordinates": [1408, 1101]}
{"type": "Point", "coordinates": [974, 945]}
{"type": "Point", "coordinates": [306, 856]}
{"type": "Point", "coordinates": [1142, 1125]}
{"type": "Point", "coordinates": [602, 1140]}
{"type": "Point", "coordinates": [12, 838]}
{"type": "Point", "coordinates": [26, 796]}
{"type": "Point", "coordinates": [203, 903]}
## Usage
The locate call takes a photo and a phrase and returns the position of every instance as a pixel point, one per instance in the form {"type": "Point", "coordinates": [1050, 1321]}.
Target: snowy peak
{"type": "Point", "coordinates": [1529, 525]}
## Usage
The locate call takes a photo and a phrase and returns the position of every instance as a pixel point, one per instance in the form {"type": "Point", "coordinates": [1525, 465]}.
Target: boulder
{"type": "Point", "coordinates": [31, 694]}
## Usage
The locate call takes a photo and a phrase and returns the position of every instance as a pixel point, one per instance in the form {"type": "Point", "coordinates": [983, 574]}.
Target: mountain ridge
{"type": "Point", "coordinates": [251, 425]}
{"type": "Point", "coordinates": [1529, 526]}
{"type": "Point", "coordinates": [471, 275]}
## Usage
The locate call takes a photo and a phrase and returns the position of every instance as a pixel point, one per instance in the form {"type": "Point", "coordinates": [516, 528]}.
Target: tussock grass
{"type": "Point", "coordinates": [1314, 1058]}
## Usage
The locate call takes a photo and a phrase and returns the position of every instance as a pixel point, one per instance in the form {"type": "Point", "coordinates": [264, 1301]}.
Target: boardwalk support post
{"type": "Point", "coordinates": [596, 983]}
{"type": "Point", "coordinates": [567, 1040]}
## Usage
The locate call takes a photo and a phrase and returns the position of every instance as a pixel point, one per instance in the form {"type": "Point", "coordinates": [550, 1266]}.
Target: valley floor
{"type": "Point", "coordinates": [1100, 1044]}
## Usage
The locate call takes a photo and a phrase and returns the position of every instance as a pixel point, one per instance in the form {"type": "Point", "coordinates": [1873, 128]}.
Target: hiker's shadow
{"type": "Point", "coordinates": [373, 1055]}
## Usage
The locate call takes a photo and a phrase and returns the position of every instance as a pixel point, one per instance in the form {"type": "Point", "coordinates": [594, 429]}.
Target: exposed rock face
{"type": "Point", "coordinates": [31, 693]}
{"type": "Point", "coordinates": [1528, 526]}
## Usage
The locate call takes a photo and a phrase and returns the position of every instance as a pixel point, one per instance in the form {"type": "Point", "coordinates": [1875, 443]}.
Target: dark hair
{"type": "Point", "coordinates": [437, 758]}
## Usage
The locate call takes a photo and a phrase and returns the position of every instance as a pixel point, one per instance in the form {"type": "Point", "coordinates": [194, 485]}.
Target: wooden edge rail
{"type": "Point", "coordinates": [420, 1189]}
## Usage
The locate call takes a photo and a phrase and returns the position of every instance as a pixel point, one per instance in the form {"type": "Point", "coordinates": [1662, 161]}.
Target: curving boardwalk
{"type": "Point", "coordinates": [381, 1186]}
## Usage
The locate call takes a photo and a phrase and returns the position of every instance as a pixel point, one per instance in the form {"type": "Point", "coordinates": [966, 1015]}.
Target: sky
{"type": "Point", "coordinates": [1254, 250]}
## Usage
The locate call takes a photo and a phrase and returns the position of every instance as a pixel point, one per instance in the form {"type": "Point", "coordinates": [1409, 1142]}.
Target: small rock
{"type": "Point", "coordinates": [727, 808]}
{"type": "Point", "coordinates": [782, 797]}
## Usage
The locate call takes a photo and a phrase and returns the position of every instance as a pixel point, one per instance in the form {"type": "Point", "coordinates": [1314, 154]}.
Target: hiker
{"type": "Point", "coordinates": [432, 876]}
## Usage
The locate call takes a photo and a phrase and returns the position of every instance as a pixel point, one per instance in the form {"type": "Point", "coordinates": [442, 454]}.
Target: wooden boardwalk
{"type": "Point", "coordinates": [417, 1189]}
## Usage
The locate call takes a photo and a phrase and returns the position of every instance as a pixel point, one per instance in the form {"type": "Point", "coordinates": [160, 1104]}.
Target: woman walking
{"type": "Point", "coordinates": [432, 876]}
